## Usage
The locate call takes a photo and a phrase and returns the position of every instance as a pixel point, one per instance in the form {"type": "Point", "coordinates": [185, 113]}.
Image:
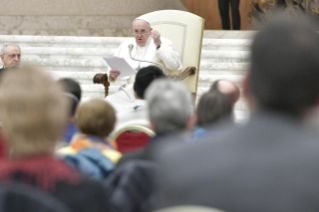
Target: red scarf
{"type": "Point", "coordinates": [42, 171]}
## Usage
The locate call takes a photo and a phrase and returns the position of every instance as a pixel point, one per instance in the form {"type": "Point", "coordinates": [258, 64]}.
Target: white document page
{"type": "Point", "coordinates": [121, 65]}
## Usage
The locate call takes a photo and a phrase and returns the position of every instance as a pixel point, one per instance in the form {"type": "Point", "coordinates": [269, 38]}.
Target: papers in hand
{"type": "Point", "coordinates": [121, 65]}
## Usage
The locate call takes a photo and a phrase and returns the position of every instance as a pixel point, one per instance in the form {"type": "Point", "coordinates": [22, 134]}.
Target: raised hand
{"type": "Point", "coordinates": [156, 37]}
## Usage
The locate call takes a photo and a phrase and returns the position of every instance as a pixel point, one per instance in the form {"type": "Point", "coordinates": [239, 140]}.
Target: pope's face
{"type": "Point", "coordinates": [11, 57]}
{"type": "Point", "coordinates": [141, 31]}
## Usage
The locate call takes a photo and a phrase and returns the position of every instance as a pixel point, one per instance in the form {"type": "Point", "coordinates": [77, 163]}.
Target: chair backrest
{"type": "Point", "coordinates": [132, 137]}
{"type": "Point", "coordinates": [189, 208]}
{"type": "Point", "coordinates": [185, 30]}
{"type": "Point", "coordinates": [18, 197]}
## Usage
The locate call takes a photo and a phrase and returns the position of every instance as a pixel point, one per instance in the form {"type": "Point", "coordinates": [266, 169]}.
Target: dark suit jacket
{"type": "Point", "coordinates": [2, 71]}
{"type": "Point", "coordinates": [269, 164]}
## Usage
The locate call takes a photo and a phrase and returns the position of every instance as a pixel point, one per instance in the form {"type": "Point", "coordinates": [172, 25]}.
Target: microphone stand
{"type": "Point", "coordinates": [130, 47]}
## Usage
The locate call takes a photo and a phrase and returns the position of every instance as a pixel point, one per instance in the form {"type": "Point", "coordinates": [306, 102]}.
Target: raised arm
{"type": "Point", "coordinates": [166, 51]}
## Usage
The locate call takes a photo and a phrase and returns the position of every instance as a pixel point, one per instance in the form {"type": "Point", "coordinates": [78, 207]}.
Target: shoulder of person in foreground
{"type": "Point", "coordinates": [87, 195]}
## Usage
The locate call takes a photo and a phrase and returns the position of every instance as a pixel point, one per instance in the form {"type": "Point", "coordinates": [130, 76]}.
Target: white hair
{"type": "Point", "coordinates": [4, 47]}
{"type": "Point", "coordinates": [169, 105]}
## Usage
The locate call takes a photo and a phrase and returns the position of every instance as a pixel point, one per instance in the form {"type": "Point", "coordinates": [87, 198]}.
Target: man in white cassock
{"type": "Point", "coordinates": [147, 45]}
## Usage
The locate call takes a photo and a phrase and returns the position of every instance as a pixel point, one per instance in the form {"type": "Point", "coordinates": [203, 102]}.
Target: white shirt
{"type": "Point", "coordinates": [133, 114]}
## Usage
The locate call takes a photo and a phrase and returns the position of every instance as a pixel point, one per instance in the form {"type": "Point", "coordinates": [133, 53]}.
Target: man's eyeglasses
{"type": "Point", "coordinates": [141, 32]}
{"type": "Point", "coordinates": [11, 56]}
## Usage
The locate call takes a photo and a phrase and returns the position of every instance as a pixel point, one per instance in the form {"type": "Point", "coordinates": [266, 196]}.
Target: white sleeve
{"type": "Point", "coordinates": [170, 57]}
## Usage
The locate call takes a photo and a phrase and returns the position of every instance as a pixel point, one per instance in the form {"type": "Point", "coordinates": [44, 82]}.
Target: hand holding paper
{"type": "Point", "coordinates": [114, 74]}
{"type": "Point", "coordinates": [121, 65]}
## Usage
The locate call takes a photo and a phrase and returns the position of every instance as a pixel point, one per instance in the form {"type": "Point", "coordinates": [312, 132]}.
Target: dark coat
{"type": "Point", "coordinates": [56, 178]}
{"type": "Point", "coordinates": [268, 164]}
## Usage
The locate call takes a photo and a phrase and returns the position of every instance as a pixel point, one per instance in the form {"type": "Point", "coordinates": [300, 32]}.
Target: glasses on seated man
{"type": "Point", "coordinates": [11, 56]}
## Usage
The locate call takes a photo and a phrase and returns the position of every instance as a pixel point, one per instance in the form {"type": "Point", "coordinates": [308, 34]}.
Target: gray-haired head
{"type": "Point", "coordinates": [4, 47]}
{"type": "Point", "coordinates": [169, 105]}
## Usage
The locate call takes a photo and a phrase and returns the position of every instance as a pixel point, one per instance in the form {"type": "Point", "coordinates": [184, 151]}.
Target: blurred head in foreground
{"type": "Point", "coordinates": [33, 111]}
{"type": "Point", "coordinates": [96, 118]}
{"type": "Point", "coordinates": [284, 72]}
{"type": "Point", "coordinates": [169, 106]}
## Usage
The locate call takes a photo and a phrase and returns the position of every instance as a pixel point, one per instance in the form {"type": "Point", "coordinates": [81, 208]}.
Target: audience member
{"type": "Point", "coordinates": [33, 111]}
{"type": "Point", "coordinates": [73, 91]}
{"type": "Point", "coordinates": [212, 108]}
{"type": "Point", "coordinates": [147, 45]}
{"type": "Point", "coordinates": [228, 88]}
{"type": "Point", "coordinates": [10, 56]}
{"type": "Point", "coordinates": [137, 113]}
{"type": "Point", "coordinates": [270, 163]}
{"type": "Point", "coordinates": [90, 151]}
{"type": "Point", "coordinates": [170, 114]}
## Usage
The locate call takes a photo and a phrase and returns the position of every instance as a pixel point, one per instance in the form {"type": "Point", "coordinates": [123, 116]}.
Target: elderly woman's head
{"type": "Point", "coordinates": [32, 110]}
{"type": "Point", "coordinates": [95, 117]}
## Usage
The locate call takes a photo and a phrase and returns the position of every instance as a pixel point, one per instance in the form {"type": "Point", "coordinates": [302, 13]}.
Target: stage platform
{"type": "Point", "coordinates": [225, 55]}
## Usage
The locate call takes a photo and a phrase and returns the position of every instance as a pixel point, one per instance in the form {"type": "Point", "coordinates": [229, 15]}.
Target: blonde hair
{"type": "Point", "coordinates": [32, 110]}
{"type": "Point", "coordinates": [95, 117]}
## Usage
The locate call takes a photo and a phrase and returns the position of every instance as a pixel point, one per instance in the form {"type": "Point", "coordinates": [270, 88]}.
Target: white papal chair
{"type": "Point", "coordinates": [185, 30]}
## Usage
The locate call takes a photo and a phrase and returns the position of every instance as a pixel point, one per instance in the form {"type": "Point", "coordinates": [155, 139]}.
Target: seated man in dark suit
{"type": "Point", "coordinates": [271, 162]}
{"type": "Point", "coordinates": [10, 56]}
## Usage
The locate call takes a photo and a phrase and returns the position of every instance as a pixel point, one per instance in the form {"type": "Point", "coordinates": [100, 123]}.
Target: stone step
{"type": "Point", "coordinates": [97, 53]}
{"type": "Point", "coordinates": [99, 63]}
{"type": "Point", "coordinates": [69, 52]}
{"type": "Point", "coordinates": [80, 58]}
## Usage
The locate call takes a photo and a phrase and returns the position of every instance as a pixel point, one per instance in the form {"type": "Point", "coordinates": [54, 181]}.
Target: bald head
{"type": "Point", "coordinates": [228, 88]}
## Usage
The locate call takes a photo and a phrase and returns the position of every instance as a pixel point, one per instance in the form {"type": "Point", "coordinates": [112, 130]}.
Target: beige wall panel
{"type": "Point", "coordinates": [77, 17]}
{"type": "Point", "coordinates": [124, 7]}
{"type": "Point", "coordinates": [86, 7]}
{"type": "Point", "coordinates": [112, 26]}
{"type": "Point", "coordinates": [39, 7]}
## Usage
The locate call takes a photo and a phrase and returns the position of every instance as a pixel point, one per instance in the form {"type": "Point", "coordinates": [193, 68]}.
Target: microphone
{"type": "Point", "coordinates": [130, 48]}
